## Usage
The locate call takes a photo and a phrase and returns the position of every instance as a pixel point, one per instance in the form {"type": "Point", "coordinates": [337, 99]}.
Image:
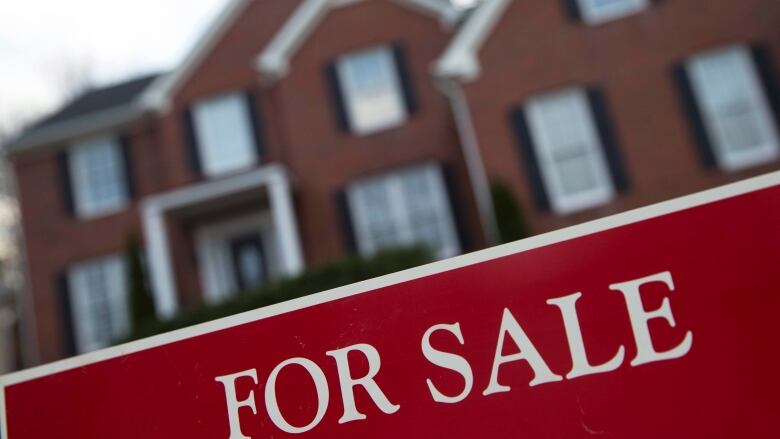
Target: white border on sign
{"type": "Point", "coordinates": [589, 228]}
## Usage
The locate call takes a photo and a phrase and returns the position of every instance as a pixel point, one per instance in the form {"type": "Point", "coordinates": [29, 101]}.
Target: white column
{"type": "Point", "coordinates": [159, 258]}
{"type": "Point", "coordinates": [285, 223]}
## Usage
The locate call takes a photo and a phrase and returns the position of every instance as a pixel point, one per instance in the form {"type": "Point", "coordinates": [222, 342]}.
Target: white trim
{"type": "Point", "coordinates": [155, 208]}
{"type": "Point", "coordinates": [274, 61]}
{"type": "Point", "coordinates": [547, 239]}
{"type": "Point", "coordinates": [460, 60]}
{"type": "Point", "coordinates": [157, 97]}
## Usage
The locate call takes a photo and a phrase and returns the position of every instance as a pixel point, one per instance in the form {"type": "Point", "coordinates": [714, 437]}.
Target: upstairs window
{"type": "Point", "coordinates": [98, 298]}
{"type": "Point", "coordinates": [404, 208]}
{"type": "Point", "coordinates": [370, 83]}
{"type": "Point", "coordinates": [569, 151]}
{"type": "Point", "coordinates": [599, 11]}
{"type": "Point", "coordinates": [224, 129]}
{"type": "Point", "coordinates": [734, 109]}
{"type": "Point", "coordinates": [98, 176]}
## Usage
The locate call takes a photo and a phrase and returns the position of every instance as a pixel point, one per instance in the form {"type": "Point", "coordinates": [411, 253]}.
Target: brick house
{"type": "Point", "coordinates": [297, 132]}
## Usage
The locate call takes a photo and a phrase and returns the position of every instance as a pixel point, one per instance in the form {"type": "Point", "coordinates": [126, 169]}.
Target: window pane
{"type": "Point", "coordinates": [98, 295]}
{"type": "Point", "coordinates": [404, 208]}
{"type": "Point", "coordinates": [97, 170]}
{"type": "Point", "coordinates": [424, 219]}
{"type": "Point", "coordinates": [736, 113]}
{"type": "Point", "coordinates": [225, 135]}
{"type": "Point", "coordinates": [373, 97]}
{"type": "Point", "coordinates": [378, 214]}
{"type": "Point", "coordinates": [597, 11]}
{"type": "Point", "coordinates": [569, 151]}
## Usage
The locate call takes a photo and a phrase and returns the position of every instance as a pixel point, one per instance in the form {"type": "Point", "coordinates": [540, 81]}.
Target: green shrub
{"type": "Point", "coordinates": [139, 294]}
{"type": "Point", "coordinates": [344, 272]}
{"type": "Point", "coordinates": [509, 216]}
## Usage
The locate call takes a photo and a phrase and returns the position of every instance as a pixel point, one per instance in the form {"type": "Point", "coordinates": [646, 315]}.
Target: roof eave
{"type": "Point", "coordinates": [80, 127]}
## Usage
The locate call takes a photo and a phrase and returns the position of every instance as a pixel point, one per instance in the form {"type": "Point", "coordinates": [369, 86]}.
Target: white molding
{"type": "Point", "coordinates": [600, 225]}
{"type": "Point", "coordinates": [461, 58]}
{"type": "Point", "coordinates": [155, 208]}
{"type": "Point", "coordinates": [274, 61]}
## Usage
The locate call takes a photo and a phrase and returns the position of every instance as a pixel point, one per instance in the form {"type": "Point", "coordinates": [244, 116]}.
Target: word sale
{"type": "Point", "coordinates": [509, 327]}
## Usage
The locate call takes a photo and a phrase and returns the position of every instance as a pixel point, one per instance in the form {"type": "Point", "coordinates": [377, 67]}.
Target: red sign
{"type": "Point", "coordinates": [660, 322]}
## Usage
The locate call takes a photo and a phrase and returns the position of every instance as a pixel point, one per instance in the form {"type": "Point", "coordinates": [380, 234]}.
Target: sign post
{"type": "Point", "coordinates": [659, 322]}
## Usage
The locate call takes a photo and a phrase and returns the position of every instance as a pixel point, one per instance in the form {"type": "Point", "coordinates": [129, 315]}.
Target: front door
{"type": "Point", "coordinates": [248, 261]}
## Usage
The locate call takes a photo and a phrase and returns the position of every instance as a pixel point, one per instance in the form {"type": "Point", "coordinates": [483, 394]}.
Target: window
{"type": "Point", "coordinates": [569, 151]}
{"type": "Point", "coordinates": [404, 208]}
{"type": "Point", "coordinates": [735, 111]}
{"type": "Point", "coordinates": [599, 11]}
{"type": "Point", "coordinates": [372, 90]}
{"type": "Point", "coordinates": [224, 129]}
{"type": "Point", "coordinates": [98, 296]}
{"type": "Point", "coordinates": [98, 177]}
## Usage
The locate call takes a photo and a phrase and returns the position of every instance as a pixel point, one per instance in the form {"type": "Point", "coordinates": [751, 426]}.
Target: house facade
{"type": "Point", "coordinates": [298, 132]}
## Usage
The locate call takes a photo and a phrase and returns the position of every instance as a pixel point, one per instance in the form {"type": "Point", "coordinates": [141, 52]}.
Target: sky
{"type": "Point", "coordinates": [47, 45]}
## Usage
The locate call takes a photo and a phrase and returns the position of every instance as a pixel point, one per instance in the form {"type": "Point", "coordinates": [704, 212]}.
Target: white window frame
{"type": "Point", "coordinates": [400, 216]}
{"type": "Point", "coordinates": [593, 13]}
{"type": "Point", "coordinates": [81, 179]}
{"type": "Point", "coordinates": [561, 202]}
{"type": "Point", "coordinates": [361, 122]}
{"type": "Point", "coordinates": [211, 138]}
{"type": "Point", "coordinates": [113, 267]}
{"type": "Point", "coordinates": [725, 156]}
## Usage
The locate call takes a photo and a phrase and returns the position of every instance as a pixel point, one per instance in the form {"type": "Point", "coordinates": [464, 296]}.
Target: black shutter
{"type": "Point", "coordinates": [257, 125]}
{"type": "Point", "coordinates": [771, 81]}
{"type": "Point", "coordinates": [695, 118]}
{"type": "Point", "coordinates": [127, 161]}
{"type": "Point", "coordinates": [603, 119]}
{"type": "Point", "coordinates": [191, 138]}
{"type": "Point", "coordinates": [457, 208]}
{"type": "Point", "coordinates": [404, 75]}
{"type": "Point", "coordinates": [572, 8]}
{"type": "Point", "coordinates": [66, 314]}
{"type": "Point", "coordinates": [345, 218]}
{"type": "Point", "coordinates": [337, 97]}
{"type": "Point", "coordinates": [66, 188]}
{"type": "Point", "coordinates": [529, 159]}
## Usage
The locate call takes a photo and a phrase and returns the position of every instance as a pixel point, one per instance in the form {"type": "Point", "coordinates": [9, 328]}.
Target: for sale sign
{"type": "Point", "coordinates": [660, 322]}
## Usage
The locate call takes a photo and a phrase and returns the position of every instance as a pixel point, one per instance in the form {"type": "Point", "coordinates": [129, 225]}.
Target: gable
{"type": "Point", "coordinates": [274, 60]}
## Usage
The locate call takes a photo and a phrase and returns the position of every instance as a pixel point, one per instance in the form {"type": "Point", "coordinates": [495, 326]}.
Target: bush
{"type": "Point", "coordinates": [139, 294]}
{"type": "Point", "coordinates": [347, 271]}
{"type": "Point", "coordinates": [509, 216]}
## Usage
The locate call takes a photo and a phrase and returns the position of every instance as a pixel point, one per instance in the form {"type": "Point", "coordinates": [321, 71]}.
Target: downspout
{"type": "Point", "coordinates": [473, 157]}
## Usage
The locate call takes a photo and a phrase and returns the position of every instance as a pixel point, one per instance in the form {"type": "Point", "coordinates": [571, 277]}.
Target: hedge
{"type": "Point", "coordinates": [344, 272]}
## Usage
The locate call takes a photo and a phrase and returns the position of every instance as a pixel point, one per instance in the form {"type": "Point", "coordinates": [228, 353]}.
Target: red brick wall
{"type": "Point", "coordinates": [535, 48]}
{"type": "Point", "coordinates": [55, 239]}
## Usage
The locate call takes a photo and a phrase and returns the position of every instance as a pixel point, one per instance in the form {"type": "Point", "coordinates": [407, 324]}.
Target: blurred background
{"type": "Point", "coordinates": [168, 163]}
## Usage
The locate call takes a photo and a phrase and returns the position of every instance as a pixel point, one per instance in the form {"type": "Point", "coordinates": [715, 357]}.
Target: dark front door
{"type": "Point", "coordinates": [248, 262]}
